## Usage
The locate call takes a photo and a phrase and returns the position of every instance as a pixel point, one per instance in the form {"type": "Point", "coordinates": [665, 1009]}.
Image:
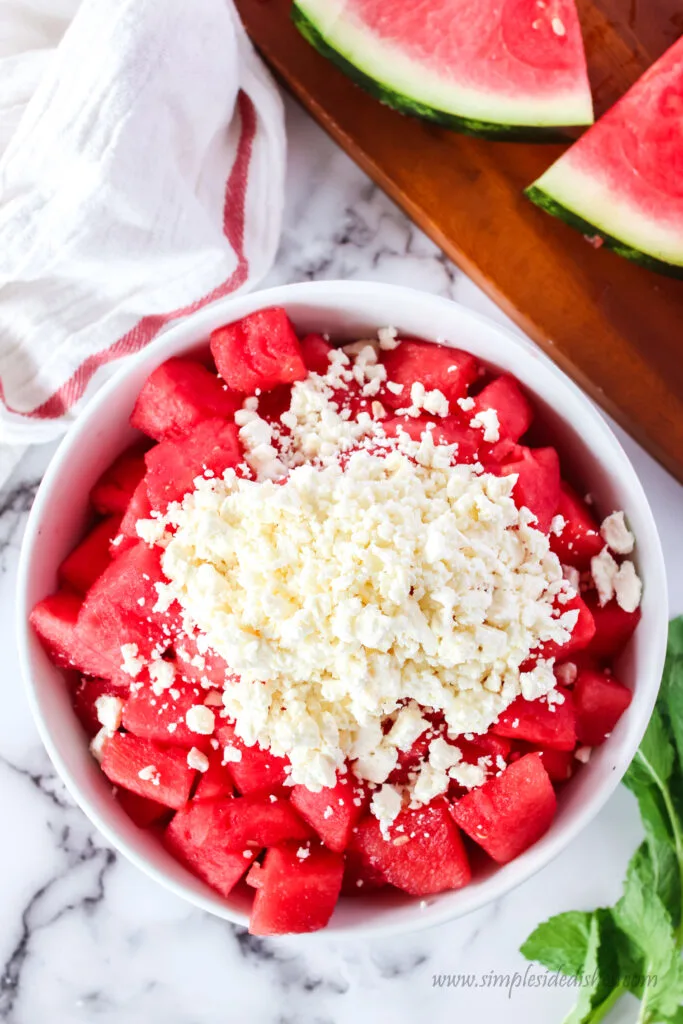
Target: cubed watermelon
{"type": "Point", "coordinates": [140, 810]}
{"type": "Point", "coordinates": [257, 821]}
{"type": "Point", "coordinates": [257, 770]}
{"type": "Point", "coordinates": [118, 608]}
{"type": "Point", "coordinates": [613, 627]}
{"type": "Point", "coordinates": [423, 854]}
{"type": "Point", "coordinates": [216, 781]}
{"type": "Point", "coordinates": [259, 351]}
{"type": "Point", "coordinates": [85, 696]}
{"type": "Point", "coordinates": [316, 353]}
{"type": "Point", "coordinates": [540, 723]}
{"type": "Point", "coordinates": [55, 620]}
{"type": "Point", "coordinates": [162, 717]}
{"type": "Point", "coordinates": [511, 811]}
{"type": "Point", "coordinates": [297, 889]}
{"type": "Point", "coordinates": [360, 876]}
{"type": "Point", "coordinates": [91, 557]}
{"type": "Point", "coordinates": [177, 396]}
{"type": "Point", "coordinates": [205, 667]}
{"type": "Point", "coordinates": [333, 813]}
{"type": "Point", "coordinates": [444, 431]}
{"type": "Point", "coordinates": [559, 764]}
{"type": "Point", "coordinates": [172, 466]}
{"type": "Point", "coordinates": [582, 633]}
{"type": "Point", "coordinates": [115, 487]}
{"type": "Point", "coordinates": [579, 540]}
{"type": "Point", "coordinates": [600, 702]}
{"type": "Point", "coordinates": [138, 508]}
{"type": "Point", "coordinates": [448, 370]}
{"type": "Point", "coordinates": [515, 412]}
{"type": "Point", "coordinates": [148, 769]}
{"type": "Point", "coordinates": [196, 837]}
{"type": "Point", "coordinates": [409, 760]}
{"type": "Point", "coordinates": [538, 483]}
{"type": "Point", "coordinates": [485, 745]}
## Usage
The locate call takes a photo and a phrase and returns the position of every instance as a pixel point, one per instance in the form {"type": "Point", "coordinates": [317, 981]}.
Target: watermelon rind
{"type": "Point", "coordinates": [502, 118]}
{"type": "Point", "coordinates": [629, 236]}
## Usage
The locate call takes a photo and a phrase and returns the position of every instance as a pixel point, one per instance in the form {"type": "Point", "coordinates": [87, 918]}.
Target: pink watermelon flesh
{"type": "Point", "coordinates": [86, 562]}
{"type": "Point", "coordinates": [295, 894]}
{"type": "Point", "coordinates": [424, 852]}
{"type": "Point", "coordinates": [172, 466]}
{"type": "Point", "coordinates": [538, 483]}
{"type": "Point", "coordinates": [138, 508]}
{"type": "Point", "coordinates": [205, 667]}
{"type": "Point", "coordinates": [162, 717]}
{"type": "Point", "coordinates": [540, 723]}
{"type": "Point", "coordinates": [514, 410]}
{"type": "Point", "coordinates": [559, 764]}
{"type": "Point", "coordinates": [114, 489]}
{"type": "Point", "coordinates": [257, 771]}
{"type": "Point", "coordinates": [625, 175]}
{"type": "Point", "coordinates": [579, 539]}
{"type": "Point", "coordinates": [613, 628]}
{"type": "Point", "coordinates": [448, 370]}
{"type": "Point", "coordinates": [177, 396]}
{"type": "Point", "coordinates": [55, 621]}
{"type": "Point", "coordinates": [259, 351]}
{"type": "Point", "coordinates": [333, 813]}
{"type": "Point", "coordinates": [511, 811]}
{"type": "Point", "coordinates": [524, 57]}
{"type": "Point", "coordinates": [140, 810]}
{"type": "Point", "coordinates": [196, 837]}
{"type": "Point", "coordinates": [168, 780]}
{"type": "Point", "coordinates": [84, 698]}
{"type": "Point", "coordinates": [580, 639]}
{"type": "Point", "coordinates": [600, 702]}
{"type": "Point", "coordinates": [257, 821]}
{"type": "Point", "coordinates": [315, 352]}
{"type": "Point", "coordinates": [216, 781]}
{"type": "Point", "coordinates": [444, 431]}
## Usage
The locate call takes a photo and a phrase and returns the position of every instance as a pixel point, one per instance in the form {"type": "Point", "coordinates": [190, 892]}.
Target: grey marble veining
{"type": "Point", "coordinates": [85, 937]}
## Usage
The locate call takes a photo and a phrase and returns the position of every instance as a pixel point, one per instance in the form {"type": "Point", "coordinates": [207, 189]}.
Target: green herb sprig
{"type": "Point", "coordinates": [635, 946]}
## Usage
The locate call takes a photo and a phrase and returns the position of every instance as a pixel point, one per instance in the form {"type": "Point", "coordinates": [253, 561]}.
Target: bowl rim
{"type": "Point", "coordinates": [334, 294]}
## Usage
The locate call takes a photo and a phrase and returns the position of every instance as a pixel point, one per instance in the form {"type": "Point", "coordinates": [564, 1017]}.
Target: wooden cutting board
{"type": "Point", "coordinates": [616, 328]}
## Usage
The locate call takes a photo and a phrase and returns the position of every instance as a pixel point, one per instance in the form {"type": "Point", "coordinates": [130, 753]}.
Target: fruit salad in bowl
{"type": "Point", "coordinates": [354, 621]}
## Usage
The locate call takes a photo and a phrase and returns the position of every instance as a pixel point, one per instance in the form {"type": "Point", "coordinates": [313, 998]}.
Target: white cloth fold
{"type": "Point", "coordinates": [142, 161]}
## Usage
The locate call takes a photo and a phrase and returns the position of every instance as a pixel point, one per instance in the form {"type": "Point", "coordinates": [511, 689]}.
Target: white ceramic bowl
{"type": "Point", "coordinates": [347, 310]}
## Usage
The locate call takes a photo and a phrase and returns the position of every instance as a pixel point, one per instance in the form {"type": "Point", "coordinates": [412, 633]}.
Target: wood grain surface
{"type": "Point", "coordinates": [616, 328]}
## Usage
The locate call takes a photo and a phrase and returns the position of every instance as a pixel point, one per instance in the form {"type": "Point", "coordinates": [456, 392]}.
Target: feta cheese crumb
{"type": "Point", "coordinates": [162, 675]}
{"type": "Point", "coordinates": [604, 570]}
{"type": "Point", "coordinates": [388, 338]}
{"type": "Point", "coordinates": [132, 663]}
{"type": "Point", "coordinates": [97, 744]}
{"type": "Point", "coordinates": [200, 719]}
{"type": "Point", "coordinates": [108, 709]}
{"type": "Point", "coordinates": [386, 806]}
{"type": "Point", "coordinates": [583, 754]}
{"type": "Point", "coordinates": [198, 760]}
{"type": "Point", "coordinates": [303, 852]}
{"type": "Point", "coordinates": [628, 587]}
{"type": "Point", "coordinates": [150, 774]}
{"type": "Point", "coordinates": [231, 754]}
{"type": "Point", "coordinates": [466, 404]}
{"type": "Point", "coordinates": [487, 420]}
{"type": "Point", "coordinates": [617, 535]}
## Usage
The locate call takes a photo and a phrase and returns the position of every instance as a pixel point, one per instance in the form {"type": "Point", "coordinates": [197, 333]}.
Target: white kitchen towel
{"type": "Point", "coordinates": [142, 160]}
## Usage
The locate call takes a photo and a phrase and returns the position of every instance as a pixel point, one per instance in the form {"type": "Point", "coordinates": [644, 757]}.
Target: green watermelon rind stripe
{"type": "Point", "coordinates": [406, 105]}
{"type": "Point", "coordinates": [548, 203]}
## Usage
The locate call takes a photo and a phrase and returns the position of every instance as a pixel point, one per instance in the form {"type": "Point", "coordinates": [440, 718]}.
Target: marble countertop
{"type": "Point", "coordinates": [85, 937]}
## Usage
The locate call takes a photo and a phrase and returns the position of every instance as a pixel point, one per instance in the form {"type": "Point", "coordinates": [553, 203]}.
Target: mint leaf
{"type": "Point", "coordinates": [561, 943]}
{"type": "Point", "coordinates": [671, 694]}
{"type": "Point", "coordinates": [654, 759]}
{"type": "Point", "coordinates": [662, 850]}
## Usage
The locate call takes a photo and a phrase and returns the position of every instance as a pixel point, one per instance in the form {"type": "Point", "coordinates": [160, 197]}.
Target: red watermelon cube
{"type": "Point", "coordinates": [559, 764]}
{"type": "Point", "coordinates": [216, 781]}
{"type": "Point", "coordinates": [579, 540]}
{"type": "Point", "coordinates": [140, 810]}
{"type": "Point", "coordinates": [600, 702]}
{"type": "Point", "coordinates": [115, 488]}
{"type": "Point", "coordinates": [157, 773]}
{"type": "Point", "coordinates": [295, 893]}
{"type": "Point", "coordinates": [196, 837]}
{"type": "Point", "coordinates": [333, 813]}
{"type": "Point", "coordinates": [515, 412]}
{"type": "Point", "coordinates": [316, 353]}
{"type": "Point", "coordinates": [172, 466]}
{"type": "Point", "coordinates": [448, 370]}
{"type": "Point", "coordinates": [538, 483]}
{"type": "Point", "coordinates": [263, 821]}
{"type": "Point", "coordinates": [162, 717]}
{"type": "Point", "coordinates": [138, 508]}
{"type": "Point", "coordinates": [85, 697]}
{"type": "Point", "coordinates": [582, 633]}
{"type": "Point", "coordinates": [86, 562]}
{"type": "Point", "coordinates": [510, 812]}
{"type": "Point", "coordinates": [257, 770]}
{"type": "Point", "coordinates": [424, 852]}
{"type": "Point", "coordinates": [360, 876]}
{"type": "Point", "coordinates": [55, 621]}
{"type": "Point", "coordinates": [540, 723]}
{"type": "Point", "coordinates": [613, 628]}
{"type": "Point", "coordinates": [204, 667]}
{"type": "Point", "coordinates": [177, 396]}
{"type": "Point", "coordinates": [444, 431]}
{"type": "Point", "coordinates": [259, 351]}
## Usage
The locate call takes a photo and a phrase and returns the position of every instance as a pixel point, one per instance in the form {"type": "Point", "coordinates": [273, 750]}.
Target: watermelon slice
{"type": "Point", "coordinates": [162, 717]}
{"type": "Point", "coordinates": [257, 821]}
{"type": "Point", "coordinates": [448, 370]}
{"type": "Point", "coordinates": [510, 69]}
{"type": "Point", "coordinates": [157, 773]}
{"type": "Point", "coordinates": [296, 889]}
{"type": "Point", "coordinates": [540, 723]}
{"type": "Point", "coordinates": [115, 487]}
{"type": "Point", "coordinates": [511, 811]}
{"type": "Point", "coordinates": [316, 353]}
{"type": "Point", "coordinates": [55, 621]}
{"type": "Point", "coordinates": [86, 562]}
{"type": "Point", "coordinates": [579, 539]}
{"type": "Point", "coordinates": [216, 781]}
{"type": "Point", "coordinates": [140, 810]}
{"type": "Point", "coordinates": [600, 702]}
{"type": "Point", "coordinates": [424, 852]}
{"type": "Point", "coordinates": [538, 483]}
{"type": "Point", "coordinates": [622, 182]}
{"type": "Point", "coordinates": [259, 351]}
{"type": "Point", "coordinates": [196, 837]}
{"type": "Point", "coordinates": [172, 466]}
{"type": "Point", "coordinates": [333, 813]}
{"type": "Point", "coordinates": [177, 396]}
{"type": "Point", "coordinates": [253, 769]}
{"type": "Point", "coordinates": [613, 627]}
{"type": "Point", "coordinates": [84, 699]}
{"type": "Point", "coordinates": [444, 431]}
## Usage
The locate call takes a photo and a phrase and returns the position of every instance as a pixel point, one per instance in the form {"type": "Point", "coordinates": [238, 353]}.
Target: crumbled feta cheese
{"type": "Point", "coordinates": [231, 755]}
{"type": "Point", "coordinates": [109, 710]}
{"type": "Point", "coordinates": [604, 570]}
{"type": "Point", "coordinates": [150, 774]}
{"type": "Point", "coordinates": [132, 663]}
{"type": "Point", "coordinates": [616, 534]}
{"type": "Point", "coordinates": [435, 403]}
{"type": "Point", "coordinates": [388, 339]}
{"type": "Point", "coordinates": [628, 587]}
{"type": "Point", "coordinates": [583, 754]}
{"type": "Point", "coordinates": [162, 674]}
{"type": "Point", "coordinates": [466, 404]}
{"type": "Point", "coordinates": [487, 420]}
{"type": "Point", "coordinates": [197, 760]}
{"type": "Point", "coordinates": [386, 806]}
{"type": "Point", "coordinates": [558, 27]}
{"type": "Point", "coordinates": [557, 525]}
{"type": "Point", "coordinates": [408, 725]}
{"type": "Point", "coordinates": [303, 852]}
{"type": "Point", "coordinates": [200, 719]}
{"type": "Point", "coordinates": [97, 743]}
